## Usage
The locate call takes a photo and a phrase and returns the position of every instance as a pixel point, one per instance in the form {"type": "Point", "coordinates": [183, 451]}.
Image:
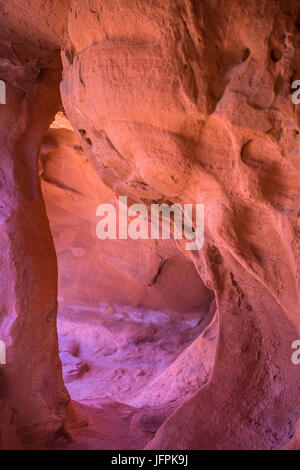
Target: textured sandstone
{"type": "Point", "coordinates": [183, 102]}
{"type": "Point", "coordinates": [128, 335]}
{"type": "Point", "coordinates": [35, 399]}
{"type": "Point", "coordinates": [149, 273]}
{"type": "Point", "coordinates": [172, 101]}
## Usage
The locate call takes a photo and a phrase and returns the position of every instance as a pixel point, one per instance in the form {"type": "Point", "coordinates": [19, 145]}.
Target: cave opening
{"type": "Point", "coordinates": [133, 315]}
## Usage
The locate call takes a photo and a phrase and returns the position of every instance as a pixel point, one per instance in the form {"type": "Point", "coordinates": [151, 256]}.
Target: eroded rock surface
{"type": "Point", "coordinates": [189, 102]}
{"type": "Point", "coordinates": [171, 101]}
{"type": "Point", "coordinates": [127, 309]}
{"type": "Point", "coordinates": [150, 274]}
{"type": "Point", "coordinates": [34, 402]}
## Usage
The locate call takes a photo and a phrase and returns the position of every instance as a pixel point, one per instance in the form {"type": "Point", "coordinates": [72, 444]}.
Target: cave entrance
{"type": "Point", "coordinates": [131, 313]}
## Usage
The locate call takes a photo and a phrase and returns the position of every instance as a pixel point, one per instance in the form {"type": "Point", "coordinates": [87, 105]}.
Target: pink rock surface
{"type": "Point", "coordinates": [34, 402]}
{"type": "Point", "coordinates": [171, 101]}
{"type": "Point", "coordinates": [114, 342]}
{"type": "Point", "coordinates": [148, 273]}
{"type": "Point", "coordinates": [191, 104]}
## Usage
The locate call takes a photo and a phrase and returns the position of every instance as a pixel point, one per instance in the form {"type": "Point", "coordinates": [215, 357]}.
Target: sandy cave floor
{"type": "Point", "coordinates": [109, 356]}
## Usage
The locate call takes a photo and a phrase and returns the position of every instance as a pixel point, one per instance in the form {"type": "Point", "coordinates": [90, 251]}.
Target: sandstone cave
{"type": "Point", "coordinates": [141, 343]}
